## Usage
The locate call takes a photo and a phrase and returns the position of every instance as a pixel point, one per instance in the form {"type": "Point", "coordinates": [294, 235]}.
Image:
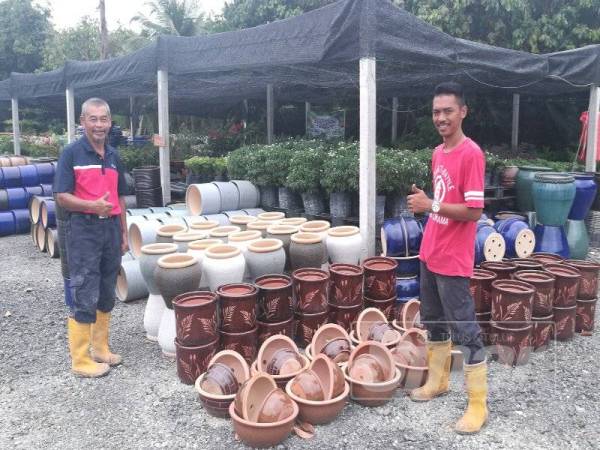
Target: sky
{"type": "Point", "coordinates": [66, 13]}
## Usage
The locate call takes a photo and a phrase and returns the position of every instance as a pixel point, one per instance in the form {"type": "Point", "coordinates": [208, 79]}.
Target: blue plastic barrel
{"type": "Point", "coordinates": [34, 190]}
{"type": "Point", "coordinates": [18, 198]}
{"type": "Point", "coordinates": [45, 172]}
{"type": "Point", "coordinates": [11, 177]}
{"type": "Point", "coordinates": [29, 175]}
{"type": "Point", "coordinates": [7, 223]}
{"type": "Point", "coordinates": [22, 222]}
{"type": "Point", "coordinates": [47, 190]}
{"type": "Point", "coordinates": [48, 213]}
{"type": "Point", "coordinates": [1, 179]}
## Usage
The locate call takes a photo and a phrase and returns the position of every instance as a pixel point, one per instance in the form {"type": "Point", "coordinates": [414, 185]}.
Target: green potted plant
{"type": "Point", "coordinates": [275, 168]}
{"type": "Point", "coordinates": [200, 169]}
{"type": "Point", "coordinates": [304, 175]}
{"type": "Point", "coordinates": [340, 176]}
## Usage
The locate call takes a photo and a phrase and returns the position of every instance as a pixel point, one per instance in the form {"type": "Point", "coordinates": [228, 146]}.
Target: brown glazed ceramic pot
{"type": "Point", "coordinates": [238, 307]}
{"type": "Point", "coordinates": [480, 286]}
{"type": "Point", "coordinates": [512, 302]}
{"type": "Point", "coordinates": [244, 343]}
{"type": "Point", "coordinates": [385, 306]}
{"type": "Point", "coordinates": [566, 284]}
{"type": "Point", "coordinates": [527, 264]}
{"type": "Point", "coordinates": [268, 329]}
{"type": "Point", "coordinates": [542, 333]}
{"type": "Point", "coordinates": [192, 361]}
{"type": "Point", "coordinates": [380, 277]}
{"type": "Point", "coordinates": [483, 319]}
{"type": "Point", "coordinates": [546, 258]}
{"type": "Point", "coordinates": [346, 287]}
{"type": "Point", "coordinates": [274, 298]}
{"type": "Point", "coordinates": [196, 318]}
{"type": "Point", "coordinates": [310, 290]}
{"type": "Point", "coordinates": [307, 324]}
{"type": "Point", "coordinates": [513, 345]}
{"type": "Point", "coordinates": [344, 316]}
{"type": "Point", "coordinates": [502, 269]}
{"type": "Point", "coordinates": [220, 379]}
{"type": "Point", "coordinates": [588, 286]}
{"type": "Point", "coordinates": [544, 289]}
{"type": "Point", "coordinates": [564, 318]}
{"type": "Point", "coordinates": [584, 317]}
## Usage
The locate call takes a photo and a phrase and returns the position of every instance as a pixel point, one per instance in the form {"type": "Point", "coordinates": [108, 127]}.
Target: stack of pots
{"type": "Point", "coordinates": [380, 285]}
{"type": "Point", "coordinates": [553, 195]}
{"type": "Point", "coordinates": [219, 196]}
{"type": "Point", "coordinates": [274, 303]}
{"type": "Point", "coordinates": [518, 237]}
{"type": "Point", "coordinates": [566, 289]}
{"type": "Point", "coordinates": [345, 294]}
{"type": "Point", "coordinates": [511, 328]}
{"type": "Point", "coordinates": [586, 295]}
{"type": "Point", "coordinates": [480, 286]}
{"type": "Point", "coordinates": [577, 235]}
{"type": "Point", "coordinates": [489, 244]}
{"type": "Point", "coordinates": [148, 190]}
{"type": "Point", "coordinates": [311, 310]}
{"type": "Point", "coordinates": [238, 328]}
{"type": "Point", "coordinates": [524, 186]}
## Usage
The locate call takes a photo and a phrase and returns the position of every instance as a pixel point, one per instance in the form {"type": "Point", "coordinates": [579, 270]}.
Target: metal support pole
{"type": "Point", "coordinates": [15, 125]}
{"type": "Point", "coordinates": [368, 129]}
{"type": "Point", "coordinates": [131, 102]}
{"type": "Point", "coordinates": [306, 116]}
{"type": "Point", "coordinates": [394, 120]}
{"type": "Point", "coordinates": [71, 125]}
{"type": "Point", "coordinates": [163, 131]}
{"type": "Point", "coordinates": [514, 141]}
{"type": "Point", "coordinates": [270, 113]}
{"type": "Point", "coordinates": [592, 137]}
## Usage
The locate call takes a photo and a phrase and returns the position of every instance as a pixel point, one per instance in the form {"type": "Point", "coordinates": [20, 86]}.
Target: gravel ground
{"type": "Point", "coordinates": [549, 403]}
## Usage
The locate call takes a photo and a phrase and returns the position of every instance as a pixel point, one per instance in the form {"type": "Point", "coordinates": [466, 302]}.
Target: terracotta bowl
{"type": "Point", "coordinates": [282, 380]}
{"type": "Point", "coordinates": [283, 362]}
{"type": "Point", "coordinates": [214, 404]}
{"type": "Point", "coordinates": [398, 326]}
{"type": "Point", "coordinates": [261, 435]}
{"type": "Point", "coordinates": [276, 406]}
{"type": "Point", "coordinates": [307, 385]}
{"type": "Point", "coordinates": [320, 412]}
{"type": "Point", "coordinates": [219, 379]}
{"type": "Point", "coordinates": [412, 377]}
{"type": "Point", "coordinates": [258, 382]}
{"type": "Point", "coordinates": [411, 314]}
{"type": "Point", "coordinates": [273, 345]}
{"type": "Point", "coordinates": [366, 368]}
{"type": "Point", "coordinates": [366, 319]}
{"type": "Point", "coordinates": [380, 352]}
{"type": "Point", "coordinates": [373, 394]}
{"type": "Point", "coordinates": [384, 333]}
{"type": "Point", "coordinates": [546, 258]}
{"type": "Point", "coordinates": [333, 341]}
{"type": "Point", "coordinates": [266, 329]}
{"type": "Point", "coordinates": [329, 374]}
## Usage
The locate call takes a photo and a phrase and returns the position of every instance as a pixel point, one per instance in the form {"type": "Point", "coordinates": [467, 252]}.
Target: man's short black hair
{"type": "Point", "coordinates": [451, 88]}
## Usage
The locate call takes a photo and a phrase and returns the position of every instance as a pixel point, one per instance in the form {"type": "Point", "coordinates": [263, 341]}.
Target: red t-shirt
{"type": "Point", "coordinates": [448, 245]}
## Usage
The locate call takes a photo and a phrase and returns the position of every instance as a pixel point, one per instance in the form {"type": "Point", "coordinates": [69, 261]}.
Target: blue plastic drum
{"type": "Point", "coordinates": [47, 190]}
{"type": "Point", "coordinates": [11, 177]}
{"type": "Point", "coordinates": [408, 266]}
{"type": "Point", "coordinates": [551, 239]}
{"type": "Point", "coordinates": [489, 244]}
{"type": "Point", "coordinates": [22, 222]}
{"type": "Point", "coordinates": [18, 198]}
{"type": "Point", "coordinates": [518, 237]}
{"type": "Point", "coordinates": [45, 172]}
{"type": "Point", "coordinates": [7, 223]}
{"type": "Point", "coordinates": [29, 175]}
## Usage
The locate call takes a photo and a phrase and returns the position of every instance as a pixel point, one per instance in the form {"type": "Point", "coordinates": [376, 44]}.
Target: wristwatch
{"type": "Point", "coordinates": [435, 206]}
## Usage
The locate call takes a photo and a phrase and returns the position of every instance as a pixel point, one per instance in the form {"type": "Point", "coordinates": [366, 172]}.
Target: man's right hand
{"type": "Point", "coordinates": [102, 206]}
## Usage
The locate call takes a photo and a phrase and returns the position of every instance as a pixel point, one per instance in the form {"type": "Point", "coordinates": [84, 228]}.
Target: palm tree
{"type": "Point", "coordinates": [175, 17]}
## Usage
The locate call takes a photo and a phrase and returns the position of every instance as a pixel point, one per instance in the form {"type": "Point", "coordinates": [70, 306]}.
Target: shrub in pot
{"type": "Point", "coordinates": [340, 176]}
{"type": "Point", "coordinates": [305, 173]}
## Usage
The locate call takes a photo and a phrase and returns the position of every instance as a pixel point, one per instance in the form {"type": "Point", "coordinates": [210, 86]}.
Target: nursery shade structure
{"type": "Point", "coordinates": [351, 46]}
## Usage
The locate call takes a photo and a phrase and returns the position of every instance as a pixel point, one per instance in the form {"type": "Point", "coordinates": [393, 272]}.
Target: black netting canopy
{"type": "Point", "coordinates": [312, 57]}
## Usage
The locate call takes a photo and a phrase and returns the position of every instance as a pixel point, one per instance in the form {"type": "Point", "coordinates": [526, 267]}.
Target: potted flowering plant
{"type": "Point", "coordinates": [305, 172]}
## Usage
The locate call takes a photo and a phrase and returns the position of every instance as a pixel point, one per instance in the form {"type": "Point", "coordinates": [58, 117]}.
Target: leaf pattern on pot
{"type": "Point", "coordinates": [562, 325]}
{"type": "Point", "coordinates": [230, 346]}
{"type": "Point", "coordinates": [357, 292]}
{"type": "Point", "coordinates": [200, 369]}
{"type": "Point", "coordinates": [315, 296]}
{"type": "Point", "coordinates": [511, 310]}
{"type": "Point", "coordinates": [369, 280]}
{"type": "Point", "coordinates": [586, 286]}
{"type": "Point", "coordinates": [187, 366]}
{"type": "Point", "coordinates": [545, 334]}
{"type": "Point", "coordinates": [338, 293]}
{"type": "Point", "coordinates": [272, 305]}
{"type": "Point", "coordinates": [184, 326]}
{"type": "Point", "coordinates": [228, 313]}
{"type": "Point", "coordinates": [247, 352]}
{"type": "Point", "coordinates": [473, 290]}
{"type": "Point", "coordinates": [525, 342]}
{"type": "Point", "coordinates": [207, 325]}
{"type": "Point", "coordinates": [387, 311]}
{"type": "Point", "coordinates": [307, 332]}
{"type": "Point", "coordinates": [248, 317]}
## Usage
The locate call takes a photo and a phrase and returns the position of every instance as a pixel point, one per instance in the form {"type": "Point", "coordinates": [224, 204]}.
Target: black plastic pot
{"type": "Point", "coordinates": [340, 204]}
{"type": "Point", "coordinates": [313, 203]}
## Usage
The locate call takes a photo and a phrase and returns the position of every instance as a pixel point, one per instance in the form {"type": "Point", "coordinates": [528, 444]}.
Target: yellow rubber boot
{"type": "Point", "coordinates": [79, 345]}
{"type": "Point", "coordinates": [476, 415]}
{"type": "Point", "coordinates": [100, 351]}
{"type": "Point", "coordinates": [438, 373]}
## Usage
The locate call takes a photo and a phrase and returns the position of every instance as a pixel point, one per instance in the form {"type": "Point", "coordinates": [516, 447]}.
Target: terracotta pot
{"type": "Point", "coordinates": [265, 256]}
{"type": "Point", "coordinates": [245, 343]}
{"type": "Point", "coordinates": [513, 345]}
{"type": "Point", "coordinates": [546, 258]}
{"type": "Point", "coordinates": [412, 377]}
{"type": "Point", "coordinates": [346, 287]}
{"type": "Point", "coordinates": [307, 324]}
{"type": "Point", "coordinates": [192, 361]}
{"type": "Point", "coordinates": [238, 307]}
{"type": "Point", "coordinates": [176, 274]}
{"type": "Point", "coordinates": [252, 393]}
{"type": "Point", "coordinates": [380, 277]}
{"type": "Point", "coordinates": [564, 318]}
{"type": "Point", "coordinates": [196, 318]}
{"type": "Point", "coordinates": [527, 264]}
{"type": "Point", "coordinates": [311, 288]}
{"type": "Point", "coordinates": [512, 303]}
{"type": "Point", "coordinates": [220, 379]}
{"type": "Point", "coordinates": [542, 333]}
{"type": "Point", "coordinates": [274, 298]}
{"type": "Point", "coordinates": [319, 412]}
{"type": "Point", "coordinates": [502, 269]}
{"type": "Point", "coordinates": [344, 244]}
{"type": "Point", "coordinates": [365, 320]}
{"type": "Point", "coordinates": [588, 286]}
{"type": "Point", "coordinates": [276, 406]}
{"type": "Point", "coordinates": [483, 319]}
{"type": "Point", "coordinates": [344, 316]}
{"type": "Point", "coordinates": [566, 284]}
{"type": "Point", "coordinates": [223, 264]}
{"type": "Point", "coordinates": [268, 329]}
{"type": "Point", "coordinates": [307, 385]}
{"type": "Point", "coordinates": [480, 286]}
{"type": "Point", "coordinates": [410, 315]}
{"type": "Point", "coordinates": [329, 374]}
{"type": "Point", "coordinates": [544, 289]}
{"type": "Point", "coordinates": [385, 306]}
{"type": "Point", "coordinates": [326, 335]}
{"type": "Point", "coordinates": [165, 233]}
{"type": "Point", "coordinates": [307, 250]}
{"type": "Point", "coordinates": [585, 313]}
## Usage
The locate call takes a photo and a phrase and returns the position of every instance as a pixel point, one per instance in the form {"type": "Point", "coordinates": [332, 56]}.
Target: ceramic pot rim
{"type": "Point", "coordinates": [344, 308]}
{"type": "Point", "coordinates": [299, 273]}
{"type": "Point", "coordinates": [488, 314]}
{"type": "Point", "coordinates": [214, 343]}
{"type": "Point", "coordinates": [582, 265]}
{"type": "Point", "coordinates": [240, 219]}
{"type": "Point", "coordinates": [222, 291]}
{"type": "Point", "coordinates": [305, 365]}
{"type": "Point", "coordinates": [535, 168]}
{"type": "Point", "coordinates": [203, 393]}
{"type": "Point", "coordinates": [412, 277]}
{"type": "Point", "coordinates": [483, 274]}
{"type": "Point", "coordinates": [372, 300]}
{"type": "Point", "coordinates": [273, 324]}
{"type": "Point", "coordinates": [277, 337]}
{"type": "Point", "coordinates": [302, 401]}
{"type": "Point", "coordinates": [180, 300]}
{"type": "Point", "coordinates": [403, 258]}
{"type": "Point", "coordinates": [293, 221]}
{"type": "Point", "coordinates": [315, 226]}
{"type": "Point", "coordinates": [170, 230]}
{"type": "Point", "coordinates": [282, 229]}
{"type": "Point", "coordinates": [271, 216]}
{"type": "Point", "coordinates": [343, 334]}
{"type": "Point", "coordinates": [407, 367]}
{"type": "Point", "coordinates": [240, 333]}
{"type": "Point", "coordinates": [379, 259]}
{"type": "Point", "coordinates": [247, 235]}
{"type": "Point", "coordinates": [592, 300]}
{"type": "Point", "coordinates": [265, 245]}
{"type": "Point", "coordinates": [357, 270]}
{"type": "Point", "coordinates": [498, 265]}
{"type": "Point", "coordinates": [224, 230]}
{"type": "Point", "coordinates": [222, 251]}
{"type": "Point", "coordinates": [203, 244]}
{"type": "Point", "coordinates": [498, 327]}
{"type": "Point", "coordinates": [547, 318]}
{"type": "Point", "coordinates": [543, 276]}
{"type": "Point", "coordinates": [525, 288]}
{"type": "Point", "coordinates": [562, 270]}
{"type": "Point", "coordinates": [395, 379]}
{"type": "Point", "coordinates": [189, 236]}
{"type": "Point", "coordinates": [343, 231]}
{"type": "Point", "coordinates": [204, 225]}
{"type": "Point", "coordinates": [319, 314]}
{"type": "Point", "coordinates": [176, 261]}
{"type": "Point", "coordinates": [304, 237]}
{"type": "Point", "coordinates": [264, 425]}
{"type": "Point", "coordinates": [258, 225]}
{"type": "Point", "coordinates": [396, 326]}
{"type": "Point", "coordinates": [159, 248]}
{"type": "Point", "coordinates": [277, 276]}
{"type": "Point", "coordinates": [381, 318]}
{"type": "Point", "coordinates": [564, 308]}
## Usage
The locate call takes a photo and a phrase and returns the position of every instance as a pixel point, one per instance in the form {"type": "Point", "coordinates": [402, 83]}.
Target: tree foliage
{"type": "Point", "coordinates": [174, 17]}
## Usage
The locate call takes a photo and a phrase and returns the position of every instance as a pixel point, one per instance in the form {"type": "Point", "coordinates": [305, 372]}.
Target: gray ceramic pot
{"type": "Point", "coordinates": [176, 274]}
{"type": "Point", "coordinates": [306, 250]}
{"type": "Point", "coordinates": [183, 239]}
{"type": "Point", "coordinates": [203, 198]}
{"type": "Point", "coordinates": [265, 256]}
{"type": "Point", "coordinates": [230, 196]}
{"type": "Point", "coordinates": [284, 234]}
{"type": "Point", "coordinates": [149, 257]}
{"type": "Point", "coordinates": [165, 233]}
{"type": "Point", "coordinates": [249, 194]}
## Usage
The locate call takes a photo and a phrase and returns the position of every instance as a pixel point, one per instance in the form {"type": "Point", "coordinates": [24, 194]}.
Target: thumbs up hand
{"type": "Point", "coordinates": [102, 206]}
{"type": "Point", "coordinates": [418, 202]}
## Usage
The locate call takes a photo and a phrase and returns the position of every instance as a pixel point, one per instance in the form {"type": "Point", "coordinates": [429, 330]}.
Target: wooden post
{"type": "Point", "coordinates": [592, 137]}
{"type": "Point", "coordinates": [394, 120]}
{"type": "Point", "coordinates": [368, 128]}
{"type": "Point", "coordinates": [70, 98]}
{"type": "Point", "coordinates": [306, 117]}
{"type": "Point", "coordinates": [270, 113]}
{"type": "Point", "coordinates": [514, 141]}
{"type": "Point", "coordinates": [15, 126]}
{"type": "Point", "coordinates": [163, 131]}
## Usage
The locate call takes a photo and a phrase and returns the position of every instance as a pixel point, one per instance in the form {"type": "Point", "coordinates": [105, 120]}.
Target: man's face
{"type": "Point", "coordinates": [448, 114]}
{"type": "Point", "coordinates": [96, 124]}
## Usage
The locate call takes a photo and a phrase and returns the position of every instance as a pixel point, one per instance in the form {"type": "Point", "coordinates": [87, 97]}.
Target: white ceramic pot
{"type": "Point", "coordinates": [167, 332]}
{"type": "Point", "coordinates": [223, 232]}
{"type": "Point", "coordinates": [265, 256]}
{"type": "Point", "coordinates": [271, 216]}
{"type": "Point", "coordinates": [153, 312]}
{"type": "Point", "coordinates": [204, 225]}
{"type": "Point", "coordinates": [197, 249]}
{"type": "Point", "coordinates": [203, 198]}
{"type": "Point", "coordinates": [241, 240]}
{"type": "Point", "coordinates": [184, 238]}
{"type": "Point", "coordinates": [344, 244]}
{"type": "Point", "coordinates": [259, 225]}
{"type": "Point", "coordinates": [242, 220]}
{"type": "Point", "coordinates": [293, 221]}
{"type": "Point", "coordinates": [320, 227]}
{"type": "Point", "coordinates": [165, 233]}
{"type": "Point", "coordinates": [223, 264]}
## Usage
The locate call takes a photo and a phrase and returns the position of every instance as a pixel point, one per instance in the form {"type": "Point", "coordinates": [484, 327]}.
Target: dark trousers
{"type": "Point", "coordinates": [94, 257]}
{"type": "Point", "coordinates": [448, 311]}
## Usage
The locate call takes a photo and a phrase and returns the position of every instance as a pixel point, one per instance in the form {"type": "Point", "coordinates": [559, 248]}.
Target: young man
{"type": "Point", "coordinates": [447, 254]}
{"type": "Point", "coordinates": [90, 185]}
